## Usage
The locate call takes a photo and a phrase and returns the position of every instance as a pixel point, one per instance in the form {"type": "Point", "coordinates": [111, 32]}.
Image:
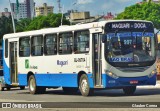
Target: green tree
{"type": "Point", "coordinates": [146, 11]}
{"type": "Point", "coordinates": [5, 26]}
{"type": "Point", "coordinates": [22, 24]}
{"type": "Point", "coordinates": [52, 20]}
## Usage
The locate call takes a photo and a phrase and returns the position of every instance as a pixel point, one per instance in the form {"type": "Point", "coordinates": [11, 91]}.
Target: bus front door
{"type": "Point", "coordinates": [13, 63]}
{"type": "Point", "coordinates": [97, 63]}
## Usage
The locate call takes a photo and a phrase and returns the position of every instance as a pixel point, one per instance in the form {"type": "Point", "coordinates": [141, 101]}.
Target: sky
{"type": "Point", "coordinates": [96, 7]}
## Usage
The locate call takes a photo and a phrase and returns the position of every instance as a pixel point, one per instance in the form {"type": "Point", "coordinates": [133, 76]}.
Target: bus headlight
{"type": "Point", "coordinates": [111, 74]}
{"type": "Point", "coordinates": [152, 73]}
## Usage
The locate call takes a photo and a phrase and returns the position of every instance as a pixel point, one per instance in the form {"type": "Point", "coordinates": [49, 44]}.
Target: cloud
{"type": "Point", "coordinates": [108, 5]}
{"type": "Point", "coordinates": [117, 6]}
{"type": "Point", "coordinates": [84, 1]}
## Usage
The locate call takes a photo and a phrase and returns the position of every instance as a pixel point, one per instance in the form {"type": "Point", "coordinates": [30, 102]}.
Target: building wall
{"type": "Point", "coordinates": [155, 1]}
{"type": "Point", "coordinates": [5, 13]}
{"type": "Point", "coordinates": [26, 9]}
{"type": "Point", "coordinates": [79, 15]}
{"type": "Point", "coordinates": [44, 10]}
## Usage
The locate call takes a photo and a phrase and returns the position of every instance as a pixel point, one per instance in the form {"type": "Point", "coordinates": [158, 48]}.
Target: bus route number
{"type": "Point", "coordinates": [127, 42]}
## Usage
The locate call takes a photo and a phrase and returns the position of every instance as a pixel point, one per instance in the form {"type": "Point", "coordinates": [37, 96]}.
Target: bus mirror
{"type": "Point", "coordinates": [104, 38]}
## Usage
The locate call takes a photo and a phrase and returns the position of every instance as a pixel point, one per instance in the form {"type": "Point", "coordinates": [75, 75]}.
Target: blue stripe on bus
{"type": "Point", "coordinates": [6, 72]}
{"type": "Point", "coordinates": [64, 80]}
{"type": "Point", "coordinates": [70, 80]}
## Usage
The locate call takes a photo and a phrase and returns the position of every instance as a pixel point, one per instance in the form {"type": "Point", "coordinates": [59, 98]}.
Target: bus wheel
{"type": "Point", "coordinates": [84, 86]}
{"type": "Point", "coordinates": [1, 88]}
{"type": "Point", "coordinates": [22, 87]}
{"type": "Point", "coordinates": [69, 90]}
{"type": "Point", "coordinates": [8, 88]}
{"type": "Point", "coordinates": [129, 90]}
{"type": "Point", "coordinates": [33, 89]}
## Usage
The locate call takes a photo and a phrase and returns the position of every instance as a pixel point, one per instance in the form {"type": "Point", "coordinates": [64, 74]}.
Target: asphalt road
{"type": "Point", "coordinates": [148, 94]}
{"type": "Point", "coordinates": [142, 94]}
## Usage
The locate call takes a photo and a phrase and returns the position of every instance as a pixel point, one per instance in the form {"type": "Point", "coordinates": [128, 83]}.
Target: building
{"type": "Point", "coordinates": [79, 15]}
{"type": "Point", "coordinates": [155, 1]}
{"type": "Point", "coordinates": [67, 14]}
{"type": "Point", "coordinates": [109, 16]}
{"type": "Point", "coordinates": [26, 9]}
{"type": "Point", "coordinates": [83, 17]}
{"type": "Point", "coordinates": [44, 10]}
{"type": "Point", "coordinates": [5, 13]}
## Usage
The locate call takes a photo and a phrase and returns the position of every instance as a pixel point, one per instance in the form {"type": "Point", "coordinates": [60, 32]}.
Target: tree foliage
{"type": "Point", "coordinates": [22, 24]}
{"type": "Point", "coordinates": [146, 11]}
{"type": "Point", "coordinates": [52, 20]}
{"type": "Point", "coordinates": [5, 26]}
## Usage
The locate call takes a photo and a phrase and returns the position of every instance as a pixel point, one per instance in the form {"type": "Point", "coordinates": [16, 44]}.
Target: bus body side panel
{"type": "Point", "coordinates": [22, 79]}
{"type": "Point", "coordinates": [64, 80]}
{"type": "Point", "coordinates": [90, 80]}
{"type": "Point", "coordinates": [109, 82]}
{"type": "Point", "coordinates": [6, 71]}
{"type": "Point", "coordinates": [56, 70]}
{"type": "Point", "coordinates": [54, 80]}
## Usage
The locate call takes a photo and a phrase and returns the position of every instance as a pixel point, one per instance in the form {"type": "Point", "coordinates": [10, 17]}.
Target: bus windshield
{"type": "Point", "coordinates": [130, 48]}
{"type": "Point", "coordinates": [130, 43]}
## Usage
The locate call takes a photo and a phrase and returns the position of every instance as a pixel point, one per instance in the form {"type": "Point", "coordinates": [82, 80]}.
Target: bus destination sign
{"type": "Point", "coordinates": [128, 25]}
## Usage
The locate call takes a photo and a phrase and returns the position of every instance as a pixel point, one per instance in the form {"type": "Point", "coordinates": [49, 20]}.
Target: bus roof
{"type": "Point", "coordinates": [65, 28]}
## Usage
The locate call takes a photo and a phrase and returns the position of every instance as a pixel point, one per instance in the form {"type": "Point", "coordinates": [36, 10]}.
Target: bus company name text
{"type": "Point", "coordinates": [62, 63]}
{"type": "Point", "coordinates": [128, 25]}
{"type": "Point", "coordinates": [79, 59]}
{"type": "Point", "coordinates": [33, 67]}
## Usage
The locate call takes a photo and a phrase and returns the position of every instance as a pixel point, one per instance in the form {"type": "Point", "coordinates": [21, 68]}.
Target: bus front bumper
{"type": "Point", "coordinates": [110, 82]}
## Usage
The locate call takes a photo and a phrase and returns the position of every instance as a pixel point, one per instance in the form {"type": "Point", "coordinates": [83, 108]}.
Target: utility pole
{"type": "Point", "coordinates": [13, 23]}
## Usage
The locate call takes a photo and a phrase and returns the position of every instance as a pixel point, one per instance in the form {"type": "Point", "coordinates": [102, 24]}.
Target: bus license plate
{"type": "Point", "coordinates": [133, 82]}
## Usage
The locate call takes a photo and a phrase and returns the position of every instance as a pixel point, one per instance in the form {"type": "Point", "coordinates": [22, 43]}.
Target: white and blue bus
{"type": "Point", "coordinates": [85, 57]}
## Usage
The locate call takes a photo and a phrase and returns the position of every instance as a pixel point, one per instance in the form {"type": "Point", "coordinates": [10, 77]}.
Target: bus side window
{"type": "Point", "coordinates": [50, 43]}
{"type": "Point", "coordinates": [6, 48]}
{"type": "Point", "coordinates": [65, 43]}
{"type": "Point", "coordinates": [24, 47]}
{"type": "Point", "coordinates": [37, 46]}
{"type": "Point", "coordinates": [81, 42]}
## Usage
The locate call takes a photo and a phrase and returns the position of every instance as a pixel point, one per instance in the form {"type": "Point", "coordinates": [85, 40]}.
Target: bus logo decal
{"type": "Point", "coordinates": [27, 64]}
